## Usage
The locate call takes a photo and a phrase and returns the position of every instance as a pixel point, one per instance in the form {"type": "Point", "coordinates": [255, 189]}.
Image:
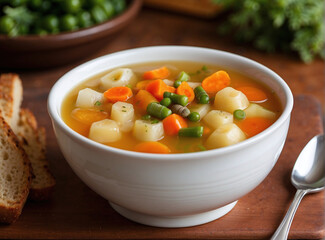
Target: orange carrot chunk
{"type": "Point", "coordinates": [216, 82]}
{"type": "Point", "coordinates": [142, 99]}
{"type": "Point", "coordinates": [173, 123]}
{"type": "Point", "coordinates": [159, 73]}
{"type": "Point", "coordinates": [118, 94]}
{"type": "Point", "coordinates": [253, 94]}
{"type": "Point", "coordinates": [185, 89]}
{"type": "Point", "coordinates": [88, 116]}
{"type": "Point", "coordinates": [142, 84]}
{"type": "Point", "coordinates": [254, 125]}
{"type": "Point", "coordinates": [152, 147]}
{"type": "Point", "coordinates": [158, 87]}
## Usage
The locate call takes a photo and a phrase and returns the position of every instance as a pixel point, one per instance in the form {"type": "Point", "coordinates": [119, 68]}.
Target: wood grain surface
{"type": "Point", "coordinates": [75, 212]}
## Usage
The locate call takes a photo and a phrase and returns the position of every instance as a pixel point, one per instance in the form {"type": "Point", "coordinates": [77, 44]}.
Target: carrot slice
{"type": "Point", "coordinates": [118, 94]}
{"type": "Point", "coordinates": [253, 94]}
{"type": "Point", "coordinates": [152, 147]}
{"type": "Point", "coordinates": [142, 84]}
{"type": "Point", "coordinates": [254, 125]}
{"type": "Point", "coordinates": [158, 87]}
{"type": "Point", "coordinates": [142, 99]}
{"type": "Point", "coordinates": [173, 123]}
{"type": "Point", "coordinates": [88, 116]}
{"type": "Point", "coordinates": [185, 89]}
{"type": "Point", "coordinates": [206, 131]}
{"type": "Point", "coordinates": [216, 82]}
{"type": "Point", "coordinates": [158, 73]}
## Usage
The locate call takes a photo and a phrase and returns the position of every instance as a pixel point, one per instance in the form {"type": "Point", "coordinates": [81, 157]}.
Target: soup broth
{"type": "Point", "coordinates": [172, 134]}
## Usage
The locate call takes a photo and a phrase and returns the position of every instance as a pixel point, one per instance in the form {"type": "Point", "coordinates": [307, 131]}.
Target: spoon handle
{"type": "Point", "coordinates": [283, 230]}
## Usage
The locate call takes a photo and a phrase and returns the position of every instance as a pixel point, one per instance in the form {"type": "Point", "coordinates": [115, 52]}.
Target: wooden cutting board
{"type": "Point", "coordinates": [76, 212]}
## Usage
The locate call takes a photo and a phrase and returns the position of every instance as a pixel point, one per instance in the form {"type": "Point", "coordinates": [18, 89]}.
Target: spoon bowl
{"type": "Point", "coordinates": [308, 176]}
{"type": "Point", "coordinates": [309, 171]}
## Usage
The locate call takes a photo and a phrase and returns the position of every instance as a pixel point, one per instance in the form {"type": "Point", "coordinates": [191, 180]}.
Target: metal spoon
{"type": "Point", "coordinates": [308, 176]}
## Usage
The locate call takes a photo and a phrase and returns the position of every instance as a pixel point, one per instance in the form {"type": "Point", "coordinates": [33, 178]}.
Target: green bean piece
{"type": "Point", "coordinates": [167, 94]}
{"type": "Point", "coordinates": [157, 110]}
{"type": "Point", "coordinates": [183, 77]}
{"type": "Point", "coordinates": [179, 99]}
{"type": "Point", "coordinates": [239, 114]}
{"type": "Point", "coordinates": [146, 117]}
{"type": "Point", "coordinates": [177, 83]}
{"type": "Point", "coordinates": [201, 95]}
{"type": "Point", "coordinates": [166, 102]}
{"type": "Point", "coordinates": [191, 132]}
{"type": "Point", "coordinates": [194, 117]}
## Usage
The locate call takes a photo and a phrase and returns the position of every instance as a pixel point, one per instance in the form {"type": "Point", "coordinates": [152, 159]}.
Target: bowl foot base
{"type": "Point", "coordinates": [175, 221]}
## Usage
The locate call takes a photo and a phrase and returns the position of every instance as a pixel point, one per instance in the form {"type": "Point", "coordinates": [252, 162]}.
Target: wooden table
{"type": "Point", "coordinates": [151, 28]}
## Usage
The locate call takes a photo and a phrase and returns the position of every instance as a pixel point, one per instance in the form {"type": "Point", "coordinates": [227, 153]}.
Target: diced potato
{"type": "Point", "coordinates": [169, 82]}
{"type": "Point", "coordinates": [255, 110]}
{"type": "Point", "coordinates": [202, 109]}
{"type": "Point", "coordinates": [105, 131]}
{"type": "Point", "coordinates": [229, 100]}
{"type": "Point", "coordinates": [146, 131]}
{"type": "Point", "coordinates": [225, 135]}
{"type": "Point", "coordinates": [217, 118]}
{"type": "Point", "coordinates": [88, 97]}
{"type": "Point", "coordinates": [123, 114]}
{"type": "Point", "coordinates": [194, 84]}
{"type": "Point", "coordinates": [117, 78]}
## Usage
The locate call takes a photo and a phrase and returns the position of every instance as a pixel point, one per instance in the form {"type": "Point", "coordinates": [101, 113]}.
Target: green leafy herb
{"type": "Point", "coordinates": [98, 103]}
{"type": "Point", "coordinates": [285, 25]}
{"type": "Point", "coordinates": [154, 121]}
{"type": "Point", "coordinates": [201, 147]}
{"type": "Point", "coordinates": [204, 68]}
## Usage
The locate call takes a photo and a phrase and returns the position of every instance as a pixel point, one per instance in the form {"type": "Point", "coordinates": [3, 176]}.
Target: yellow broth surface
{"type": "Point", "coordinates": [197, 71]}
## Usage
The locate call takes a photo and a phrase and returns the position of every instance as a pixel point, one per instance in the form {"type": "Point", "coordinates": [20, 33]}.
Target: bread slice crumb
{"type": "Point", "coordinates": [33, 140]}
{"type": "Point", "coordinates": [15, 175]}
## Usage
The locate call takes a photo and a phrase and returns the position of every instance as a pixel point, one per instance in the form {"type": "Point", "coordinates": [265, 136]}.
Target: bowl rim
{"type": "Point", "coordinates": [132, 9]}
{"type": "Point", "coordinates": [56, 118]}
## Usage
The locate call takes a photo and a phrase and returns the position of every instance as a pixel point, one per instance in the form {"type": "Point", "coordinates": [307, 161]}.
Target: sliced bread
{"type": "Point", "coordinates": [33, 140]}
{"type": "Point", "coordinates": [11, 95]}
{"type": "Point", "coordinates": [15, 175]}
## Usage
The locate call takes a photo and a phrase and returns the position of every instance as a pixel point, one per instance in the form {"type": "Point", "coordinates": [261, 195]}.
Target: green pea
{"type": "Point", "coordinates": [68, 22]}
{"type": "Point", "coordinates": [98, 14]}
{"type": "Point", "coordinates": [201, 95]}
{"type": "Point", "coordinates": [6, 24]}
{"type": "Point", "coordinates": [84, 19]}
{"type": "Point", "coordinates": [119, 5]}
{"type": "Point", "coordinates": [146, 117]}
{"type": "Point", "coordinates": [177, 83]}
{"type": "Point", "coordinates": [183, 77]}
{"type": "Point", "coordinates": [166, 102]}
{"type": "Point", "coordinates": [51, 23]}
{"type": "Point", "coordinates": [157, 110]}
{"type": "Point", "coordinates": [191, 132]}
{"type": "Point", "coordinates": [194, 117]}
{"type": "Point", "coordinates": [179, 99]}
{"type": "Point", "coordinates": [108, 8]}
{"type": "Point", "coordinates": [167, 94]}
{"type": "Point", "coordinates": [239, 114]}
{"type": "Point", "coordinates": [71, 6]}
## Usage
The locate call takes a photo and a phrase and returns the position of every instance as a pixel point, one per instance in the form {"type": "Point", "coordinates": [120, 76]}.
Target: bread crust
{"type": "Point", "coordinates": [10, 212]}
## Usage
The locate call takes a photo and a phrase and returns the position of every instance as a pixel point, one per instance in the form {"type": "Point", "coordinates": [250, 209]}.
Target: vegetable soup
{"type": "Point", "coordinates": [170, 107]}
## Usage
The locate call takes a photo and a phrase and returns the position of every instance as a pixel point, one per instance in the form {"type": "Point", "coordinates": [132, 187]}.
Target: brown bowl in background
{"type": "Point", "coordinates": [33, 51]}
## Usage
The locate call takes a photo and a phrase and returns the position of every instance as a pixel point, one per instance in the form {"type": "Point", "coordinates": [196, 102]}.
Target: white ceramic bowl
{"type": "Point", "coordinates": [175, 190]}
